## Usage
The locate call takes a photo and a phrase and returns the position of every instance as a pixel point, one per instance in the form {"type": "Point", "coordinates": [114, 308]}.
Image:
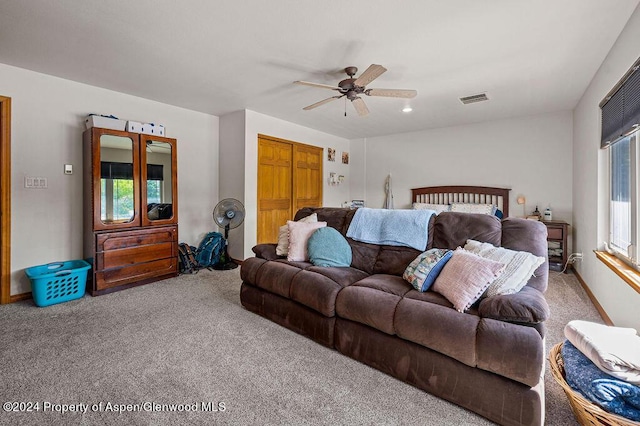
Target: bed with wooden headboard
{"type": "Point", "coordinates": [463, 194]}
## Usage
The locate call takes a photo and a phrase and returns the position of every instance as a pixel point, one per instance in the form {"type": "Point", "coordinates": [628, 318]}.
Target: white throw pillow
{"type": "Point", "coordinates": [438, 208]}
{"type": "Point", "coordinates": [473, 208]}
{"type": "Point", "coordinates": [519, 266]}
{"type": "Point", "coordinates": [283, 234]}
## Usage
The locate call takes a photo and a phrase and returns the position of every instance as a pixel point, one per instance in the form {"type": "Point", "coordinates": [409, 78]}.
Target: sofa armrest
{"type": "Point", "coordinates": [266, 251]}
{"type": "Point", "coordinates": [528, 306]}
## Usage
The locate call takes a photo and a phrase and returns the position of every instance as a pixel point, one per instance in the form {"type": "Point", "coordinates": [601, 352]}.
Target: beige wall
{"type": "Point", "coordinates": [47, 124]}
{"type": "Point", "coordinates": [530, 155]}
{"type": "Point", "coordinates": [243, 127]}
{"type": "Point", "coordinates": [590, 182]}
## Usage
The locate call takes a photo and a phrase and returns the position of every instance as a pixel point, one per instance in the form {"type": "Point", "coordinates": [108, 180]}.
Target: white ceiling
{"type": "Point", "coordinates": [221, 56]}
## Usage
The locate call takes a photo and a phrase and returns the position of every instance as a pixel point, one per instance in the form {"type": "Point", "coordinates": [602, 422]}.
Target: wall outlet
{"type": "Point", "coordinates": [573, 257]}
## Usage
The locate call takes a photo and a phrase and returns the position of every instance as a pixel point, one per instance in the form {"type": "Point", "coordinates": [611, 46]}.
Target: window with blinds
{"type": "Point", "coordinates": [620, 125]}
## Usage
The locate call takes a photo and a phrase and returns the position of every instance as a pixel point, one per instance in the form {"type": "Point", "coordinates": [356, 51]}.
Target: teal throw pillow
{"type": "Point", "coordinates": [327, 247]}
{"type": "Point", "coordinates": [423, 271]}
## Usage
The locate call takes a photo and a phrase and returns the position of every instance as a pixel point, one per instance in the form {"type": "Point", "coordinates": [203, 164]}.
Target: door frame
{"type": "Point", "coordinates": [5, 199]}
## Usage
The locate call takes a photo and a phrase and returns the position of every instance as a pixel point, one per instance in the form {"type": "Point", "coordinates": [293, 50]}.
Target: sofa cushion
{"type": "Point", "coordinates": [343, 276]}
{"type": "Point", "coordinates": [363, 255]}
{"type": "Point", "coordinates": [424, 269]}
{"type": "Point", "coordinates": [452, 229]}
{"type": "Point", "coordinates": [317, 287]}
{"type": "Point", "coordinates": [525, 307]}
{"type": "Point", "coordinates": [315, 291]}
{"type": "Point", "coordinates": [299, 234]}
{"type": "Point", "coordinates": [273, 276]}
{"type": "Point", "coordinates": [372, 301]}
{"type": "Point", "coordinates": [265, 251]}
{"type": "Point", "coordinates": [327, 247]}
{"type": "Point", "coordinates": [393, 260]}
{"type": "Point", "coordinates": [431, 297]}
{"type": "Point", "coordinates": [299, 265]}
{"type": "Point", "coordinates": [289, 313]}
{"type": "Point", "coordinates": [438, 327]}
{"type": "Point", "coordinates": [465, 277]}
{"type": "Point", "coordinates": [510, 350]}
{"type": "Point", "coordinates": [249, 269]}
{"type": "Point", "coordinates": [519, 266]}
{"type": "Point", "coordinates": [337, 218]}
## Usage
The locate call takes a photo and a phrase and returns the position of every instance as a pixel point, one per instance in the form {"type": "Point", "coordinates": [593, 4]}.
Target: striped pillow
{"type": "Point", "coordinates": [519, 266]}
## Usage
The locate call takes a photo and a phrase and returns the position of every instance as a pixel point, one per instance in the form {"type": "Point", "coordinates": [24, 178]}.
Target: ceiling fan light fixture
{"type": "Point", "coordinates": [351, 88]}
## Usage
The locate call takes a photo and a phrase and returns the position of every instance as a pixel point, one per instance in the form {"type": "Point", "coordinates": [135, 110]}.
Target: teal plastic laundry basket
{"type": "Point", "coordinates": [58, 282]}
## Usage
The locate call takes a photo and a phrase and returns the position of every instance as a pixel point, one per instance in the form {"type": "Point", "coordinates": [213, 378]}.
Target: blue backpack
{"type": "Point", "coordinates": [210, 249]}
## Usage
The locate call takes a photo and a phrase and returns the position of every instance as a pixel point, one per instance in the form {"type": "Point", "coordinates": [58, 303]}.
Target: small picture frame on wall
{"type": "Point", "coordinates": [345, 157]}
{"type": "Point", "coordinates": [331, 154]}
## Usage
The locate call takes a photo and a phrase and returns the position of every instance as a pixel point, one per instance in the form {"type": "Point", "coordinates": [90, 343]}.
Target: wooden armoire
{"type": "Point", "coordinates": [289, 178]}
{"type": "Point", "coordinates": [130, 208]}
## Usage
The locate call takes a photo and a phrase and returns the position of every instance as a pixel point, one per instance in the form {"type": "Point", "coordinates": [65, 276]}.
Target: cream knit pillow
{"type": "Point", "coordinates": [519, 266]}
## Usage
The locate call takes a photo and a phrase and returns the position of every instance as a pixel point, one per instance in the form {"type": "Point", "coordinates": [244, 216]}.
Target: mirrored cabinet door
{"type": "Point", "coordinates": [159, 180]}
{"type": "Point", "coordinates": [116, 180]}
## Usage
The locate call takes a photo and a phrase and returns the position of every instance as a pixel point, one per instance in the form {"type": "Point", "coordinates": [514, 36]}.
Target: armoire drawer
{"type": "Point", "coordinates": [123, 239]}
{"type": "Point", "coordinates": [126, 248]}
{"type": "Point", "coordinates": [134, 273]}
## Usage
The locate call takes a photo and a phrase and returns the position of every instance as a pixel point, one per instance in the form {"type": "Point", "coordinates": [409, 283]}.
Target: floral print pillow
{"type": "Point", "coordinates": [423, 271]}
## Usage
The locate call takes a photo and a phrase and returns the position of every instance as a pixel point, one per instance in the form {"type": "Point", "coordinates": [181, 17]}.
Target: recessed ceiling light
{"type": "Point", "coordinates": [407, 109]}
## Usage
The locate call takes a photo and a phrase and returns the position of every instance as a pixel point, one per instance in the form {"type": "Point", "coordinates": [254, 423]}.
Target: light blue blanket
{"type": "Point", "coordinates": [614, 395]}
{"type": "Point", "coordinates": [409, 228]}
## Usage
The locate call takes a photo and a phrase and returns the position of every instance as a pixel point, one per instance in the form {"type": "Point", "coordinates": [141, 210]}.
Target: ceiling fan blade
{"type": "Point", "coordinates": [391, 93]}
{"type": "Point", "coordinates": [374, 71]}
{"type": "Point", "coordinates": [317, 104]}
{"type": "Point", "coordinates": [320, 85]}
{"type": "Point", "coordinates": [360, 107]}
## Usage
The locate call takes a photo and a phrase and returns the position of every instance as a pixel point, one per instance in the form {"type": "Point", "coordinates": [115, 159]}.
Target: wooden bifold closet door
{"type": "Point", "coordinates": [289, 178]}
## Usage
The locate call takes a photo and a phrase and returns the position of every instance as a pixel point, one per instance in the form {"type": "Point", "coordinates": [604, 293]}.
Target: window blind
{"type": "Point", "coordinates": [621, 108]}
{"type": "Point", "coordinates": [114, 170]}
{"type": "Point", "coordinates": [154, 172]}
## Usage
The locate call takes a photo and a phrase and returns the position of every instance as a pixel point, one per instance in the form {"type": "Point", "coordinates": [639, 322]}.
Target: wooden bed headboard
{"type": "Point", "coordinates": [463, 194]}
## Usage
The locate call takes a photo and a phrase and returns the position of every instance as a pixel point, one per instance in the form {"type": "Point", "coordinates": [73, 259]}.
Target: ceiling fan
{"type": "Point", "coordinates": [153, 146]}
{"type": "Point", "coordinates": [353, 87]}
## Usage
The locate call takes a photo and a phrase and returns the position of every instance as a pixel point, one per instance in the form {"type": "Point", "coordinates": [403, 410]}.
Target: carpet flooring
{"type": "Point", "coordinates": [184, 351]}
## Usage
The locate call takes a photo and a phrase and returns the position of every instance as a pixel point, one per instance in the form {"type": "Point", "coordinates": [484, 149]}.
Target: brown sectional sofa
{"type": "Point", "coordinates": [489, 359]}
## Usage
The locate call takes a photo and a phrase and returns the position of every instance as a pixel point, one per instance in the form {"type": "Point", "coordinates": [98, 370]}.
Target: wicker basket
{"type": "Point", "coordinates": [587, 413]}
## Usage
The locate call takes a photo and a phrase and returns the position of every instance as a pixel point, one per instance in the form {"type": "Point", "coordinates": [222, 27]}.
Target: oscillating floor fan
{"type": "Point", "coordinates": [228, 214]}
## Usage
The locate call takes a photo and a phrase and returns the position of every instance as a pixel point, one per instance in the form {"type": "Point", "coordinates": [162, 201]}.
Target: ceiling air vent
{"type": "Point", "coordinates": [474, 98]}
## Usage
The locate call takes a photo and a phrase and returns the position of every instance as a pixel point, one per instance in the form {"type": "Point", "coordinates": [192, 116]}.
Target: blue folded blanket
{"type": "Point", "coordinates": [408, 228]}
{"type": "Point", "coordinates": [613, 395]}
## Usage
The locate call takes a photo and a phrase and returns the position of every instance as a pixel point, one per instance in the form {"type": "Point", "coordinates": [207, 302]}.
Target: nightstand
{"type": "Point", "coordinates": [557, 231]}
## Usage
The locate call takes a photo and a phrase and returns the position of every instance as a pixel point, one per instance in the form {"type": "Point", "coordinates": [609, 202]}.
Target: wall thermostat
{"type": "Point", "coordinates": [68, 169]}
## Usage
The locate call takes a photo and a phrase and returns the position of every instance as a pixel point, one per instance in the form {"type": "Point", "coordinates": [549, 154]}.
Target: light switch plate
{"type": "Point", "coordinates": [35, 182]}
